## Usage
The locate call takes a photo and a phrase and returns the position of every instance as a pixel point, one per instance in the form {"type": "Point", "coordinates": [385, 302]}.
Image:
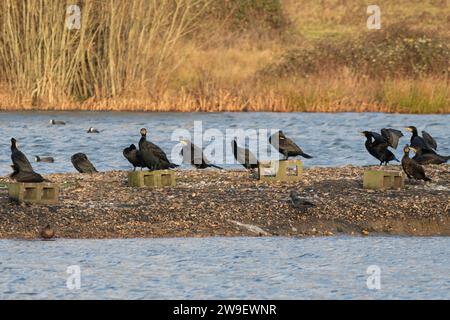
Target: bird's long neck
{"type": "Point", "coordinates": [234, 147]}
{"type": "Point", "coordinates": [13, 145]}
{"type": "Point", "coordinates": [143, 138]}
{"type": "Point", "coordinates": [414, 133]}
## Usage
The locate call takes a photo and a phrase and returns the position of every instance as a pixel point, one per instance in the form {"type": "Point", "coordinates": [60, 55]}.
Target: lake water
{"type": "Point", "coordinates": [227, 268]}
{"type": "Point", "coordinates": [333, 139]}
{"type": "Point", "coordinates": [217, 268]}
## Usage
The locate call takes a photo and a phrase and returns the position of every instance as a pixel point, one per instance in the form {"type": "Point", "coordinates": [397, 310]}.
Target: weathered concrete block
{"type": "Point", "coordinates": [380, 179]}
{"type": "Point", "coordinates": [154, 179]}
{"type": "Point", "coordinates": [283, 170]}
{"type": "Point", "coordinates": [36, 193]}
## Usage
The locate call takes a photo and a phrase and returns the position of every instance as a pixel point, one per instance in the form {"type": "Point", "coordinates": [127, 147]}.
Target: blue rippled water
{"type": "Point", "coordinates": [332, 138]}
{"type": "Point", "coordinates": [227, 268]}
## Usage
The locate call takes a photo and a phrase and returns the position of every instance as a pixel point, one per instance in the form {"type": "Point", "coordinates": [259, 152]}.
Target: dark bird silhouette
{"type": "Point", "coordinates": [299, 202]}
{"type": "Point", "coordinates": [25, 176]}
{"type": "Point", "coordinates": [412, 169]}
{"type": "Point", "coordinates": [286, 146]}
{"type": "Point", "coordinates": [425, 158]}
{"type": "Point", "coordinates": [244, 156]}
{"type": "Point", "coordinates": [134, 157]}
{"type": "Point", "coordinates": [92, 130]}
{"type": "Point", "coordinates": [426, 143]}
{"type": "Point", "coordinates": [377, 144]}
{"type": "Point", "coordinates": [44, 159]}
{"type": "Point", "coordinates": [57, 122]}
{"type": "Point", "coordinates": [47, 232]}
{"type": "Point", "coordinates": [81, 162]}
{"type": "Point", "coordinates": [152, 155]}
{"type": "Point", "coordinates": [194, 155]}
{"type": "Point", "coordinates": [19, 160]}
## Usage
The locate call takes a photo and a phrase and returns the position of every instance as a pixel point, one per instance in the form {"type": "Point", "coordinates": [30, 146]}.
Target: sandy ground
{"type": "Point", "coordinates": [233, 203]}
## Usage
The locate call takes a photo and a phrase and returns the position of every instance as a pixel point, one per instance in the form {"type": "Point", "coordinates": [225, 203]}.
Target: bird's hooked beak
{"type": "Point", "coordinates": [184, 142]}
{"type": "Point", "coordinates": [409, 129]}
{"type": "Point", "coordinates": [143, 132]}
{"type": "Point", "coordinates": [413, 149]}
{"type": "Point", "coordinates": [362, 134]}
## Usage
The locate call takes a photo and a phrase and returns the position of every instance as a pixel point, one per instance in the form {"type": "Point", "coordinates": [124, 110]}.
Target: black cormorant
{"type": "Point", "coordinates": [134, 157]}
{"type": "Point", "coordinates": [57, 122]}
{"type": "Point", "coordinates": [412, 168]}
{"type": "Point", "coordinates": [152, 155]}
{"type": "Point", "coordinates": [426, 142]}
{"type": "Point", "coordinates": [196, 156]}
{"type": "Point", "coordinates": [19, 159]}
{"type": "Point", "coordinates": [25, 176]}
{"type": "Point", "coordinates": [377, 144]}
{"type": "Point", "coordinates": [81, 162]}
{"type": "Point", "coordinates": [44, 159]}
{"type": "Point", "coordinates": [286, 146]}
{"type": "Point", "coordinates": [424, 158]}
{"type": "Point", "coordinates": [244, 156]}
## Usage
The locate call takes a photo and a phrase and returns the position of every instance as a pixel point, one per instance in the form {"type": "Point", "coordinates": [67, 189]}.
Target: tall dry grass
{"type": "Point", "coordinates": [122, 48]}
{"type": "Point", "coordinates": [225, 55]}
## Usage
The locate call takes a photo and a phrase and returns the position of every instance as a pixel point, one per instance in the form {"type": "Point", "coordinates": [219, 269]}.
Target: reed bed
{"type": "Point", "coordinates": [224, 55]}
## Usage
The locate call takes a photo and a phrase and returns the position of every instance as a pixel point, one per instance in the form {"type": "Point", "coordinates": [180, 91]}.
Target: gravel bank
{"type": "Point", "coordinates": [233, 203]}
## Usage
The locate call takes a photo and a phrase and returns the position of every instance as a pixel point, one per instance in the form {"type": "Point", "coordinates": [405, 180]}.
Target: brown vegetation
{"type": "Point", "coordinates": [225, 55]}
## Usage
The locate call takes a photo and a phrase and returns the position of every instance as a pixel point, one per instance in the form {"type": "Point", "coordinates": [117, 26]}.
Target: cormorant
{"type": "Point", "coordinates": [377, 144]}
{"type": "Point", "coordinates": [44, 159]}
{"type": "Point", "coordinates": [197, 158]}
{"type": "Point", "coordinates": [286, 146]}
{"type": "Point", "coordinates": [92, 130]}
{"type": "Point", "coordinates": [134, 157]}
{"type": "Point", "coordinates": [412, 168]}
{"type": "Point", "coordinates": [57, 122]}
{"type": "Point", "coordinates": [244, 156]}
{"type": "Point", "coordinates": [152, 155]}
{"type": "Point", "coordinates": [426, 142]}
{"type": "Point", "coordinates": [81, 162]}
{"type": "Point", "coordinates": [422, 157]}
{"type": "Point", "coordinates": [25, 176]}
{"type": "Point", "coordinates": [19, 160]}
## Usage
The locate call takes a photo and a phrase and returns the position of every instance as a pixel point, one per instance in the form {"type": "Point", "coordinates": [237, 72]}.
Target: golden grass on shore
{"type": "Point", "coordinates": [299, 95]}
{"type": "Point", "coordinates": [225, 55]}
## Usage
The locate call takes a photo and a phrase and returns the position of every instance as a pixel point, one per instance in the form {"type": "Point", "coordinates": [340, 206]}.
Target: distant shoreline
{"type": "Point", "coordinates": [175, 110]}
{"type": "Point", "coordinates": [233, 203]}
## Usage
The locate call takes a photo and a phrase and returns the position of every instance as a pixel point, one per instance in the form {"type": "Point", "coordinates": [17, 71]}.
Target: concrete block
{"type": "Point", "coordinates": [283, 170]}
{"type": "Point", "coordinates": [380, 179]}
{"type": "Point", "coordinates": [34, 193]}
{"type": "Point", "coordinates": [152, 179]}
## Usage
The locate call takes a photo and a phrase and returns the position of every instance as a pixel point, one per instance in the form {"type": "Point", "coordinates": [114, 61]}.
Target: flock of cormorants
{"type": "Point", "coordinates": [424, 147]}
{"type": "Point", "coordinates": [151, 156]}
